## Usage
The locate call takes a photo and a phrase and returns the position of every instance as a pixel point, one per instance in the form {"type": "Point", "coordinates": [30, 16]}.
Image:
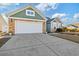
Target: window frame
{"type": "Point", "coordinates": [30, 13]}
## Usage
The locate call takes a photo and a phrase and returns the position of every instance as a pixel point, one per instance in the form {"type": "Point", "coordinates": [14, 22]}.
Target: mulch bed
{"type": "Point", "coordinates": [3, 40]}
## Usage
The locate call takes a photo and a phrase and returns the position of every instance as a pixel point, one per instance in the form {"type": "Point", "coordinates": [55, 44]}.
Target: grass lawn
{"type": "Point", "coordinates": [3, 41]}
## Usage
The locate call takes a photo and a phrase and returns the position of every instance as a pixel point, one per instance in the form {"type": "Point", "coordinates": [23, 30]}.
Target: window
{"type": "Point", "coordinates": [30, 13]}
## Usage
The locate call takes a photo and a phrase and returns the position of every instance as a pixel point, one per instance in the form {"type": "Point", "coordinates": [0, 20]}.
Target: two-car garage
{"type": "Point", "coordinates": [28, 27]}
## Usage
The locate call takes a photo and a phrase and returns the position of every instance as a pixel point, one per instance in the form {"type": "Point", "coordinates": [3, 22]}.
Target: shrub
{"type": "Point", "coordinates": [73, 30]}
{"type": "Point", "coordinates": [58, 30]}
{"type": "Point", "coordinates": [64, 29]}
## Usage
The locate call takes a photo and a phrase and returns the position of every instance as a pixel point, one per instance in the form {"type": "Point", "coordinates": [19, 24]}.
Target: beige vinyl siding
{"type": "Point", "coordinates": [1, 23]}
{"type": "Point", "coordinates": [0, 26]}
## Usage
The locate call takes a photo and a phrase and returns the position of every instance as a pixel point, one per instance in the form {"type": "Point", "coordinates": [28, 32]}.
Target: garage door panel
{"type": "Point", "coordinates": [28, 27]}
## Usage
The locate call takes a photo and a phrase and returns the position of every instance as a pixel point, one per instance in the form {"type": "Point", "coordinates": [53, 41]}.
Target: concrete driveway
{"type": "Point", "coordinates": [39, 45]}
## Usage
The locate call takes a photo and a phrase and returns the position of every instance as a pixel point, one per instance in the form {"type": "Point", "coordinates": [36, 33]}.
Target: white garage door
{"type": "Point", "coordinates": [28, 27]}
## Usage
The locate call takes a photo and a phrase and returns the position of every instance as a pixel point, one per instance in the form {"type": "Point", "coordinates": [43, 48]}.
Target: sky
{"type": "Point", "coordinates": [68, 12]}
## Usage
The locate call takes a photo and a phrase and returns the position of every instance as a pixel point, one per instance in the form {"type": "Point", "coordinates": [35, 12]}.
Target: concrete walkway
{"type": "Point", "coordinates": [39, 45]}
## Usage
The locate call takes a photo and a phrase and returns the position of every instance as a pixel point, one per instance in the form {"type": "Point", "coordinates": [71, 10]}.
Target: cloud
{"type": "Point", "coordinates": [6, 7]}
{"type": "Point", "coordinates": [5, 4]}
{"type": "Point", "coordinates": [65, 19]}
{"type": "Point", "coordinates": [72, 20]}
{"type": "Point", "coordinates": [46, 6]}
{"type": "Point", "coordinates": [58, 15]}
{"type": "Point", "coordinates": [76, 16]}
{"type": "Point", "coordinates": [53, 5]}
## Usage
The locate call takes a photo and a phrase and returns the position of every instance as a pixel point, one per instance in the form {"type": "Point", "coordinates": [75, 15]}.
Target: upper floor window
{"type": "Point", "coordinates": [30, 13]}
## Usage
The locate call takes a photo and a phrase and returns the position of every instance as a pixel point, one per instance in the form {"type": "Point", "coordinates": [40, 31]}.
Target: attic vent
{"type": "Point", "coordinates": [30, 13]}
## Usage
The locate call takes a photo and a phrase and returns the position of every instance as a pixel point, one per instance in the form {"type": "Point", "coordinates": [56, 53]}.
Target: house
{"type": "Point", "coordinates": [53, 24]}
{"type": "Point", "coordinates": [71, 27]}
{"type": "Point", "coordinates": [3, 23]}
{"type": "Point", "coordinates": [76, 24]}
{"type": "Point", "coordinates": [26, 20]}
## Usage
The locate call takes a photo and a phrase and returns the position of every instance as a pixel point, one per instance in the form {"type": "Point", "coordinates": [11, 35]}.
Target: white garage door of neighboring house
{"type": "Point", "coordinates": [28, 27]}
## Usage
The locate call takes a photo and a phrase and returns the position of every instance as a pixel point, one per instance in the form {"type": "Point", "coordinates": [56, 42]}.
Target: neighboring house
{"type": "Point", "coordinates": [53, 24]}
{"type": "Point", "coordinates": [71, 27]}
{"type": "Point", "coordinates": [26, 20]}
{"type": "Point", "coordinates": [76, 24]}
{"type": "Point", "coordinates": [3, 23]}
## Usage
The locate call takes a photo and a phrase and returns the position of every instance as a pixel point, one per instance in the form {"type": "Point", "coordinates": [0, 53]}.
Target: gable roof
{"type": "Point", "coordinates": [53, 19]}
{"type": "Point", "coordinates": [49, 20]}
{"type": "Point", "coordinates": [20, 9]}
{"type": "Point", "coordinates": [57, 20]}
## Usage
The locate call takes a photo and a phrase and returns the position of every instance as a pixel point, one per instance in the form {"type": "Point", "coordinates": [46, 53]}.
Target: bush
{"type": "Point", "coordinates": [77, 30]}
{"type": "Point", "coordinates": [59, 30]}
{"type": "Point", "coordinates": [64, 29]}
{"type": "Point", "coordinates": [73, 30]}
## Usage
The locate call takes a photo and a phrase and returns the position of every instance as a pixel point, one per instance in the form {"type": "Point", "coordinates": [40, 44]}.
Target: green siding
{"type": "Point", "coordinates": [22, 14]}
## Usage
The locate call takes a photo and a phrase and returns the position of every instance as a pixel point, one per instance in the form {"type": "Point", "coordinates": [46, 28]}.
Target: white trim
{"type": "Point", "coordinates": [30, 14]}
{"type": "Point", "coordinates": [26, 19]}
